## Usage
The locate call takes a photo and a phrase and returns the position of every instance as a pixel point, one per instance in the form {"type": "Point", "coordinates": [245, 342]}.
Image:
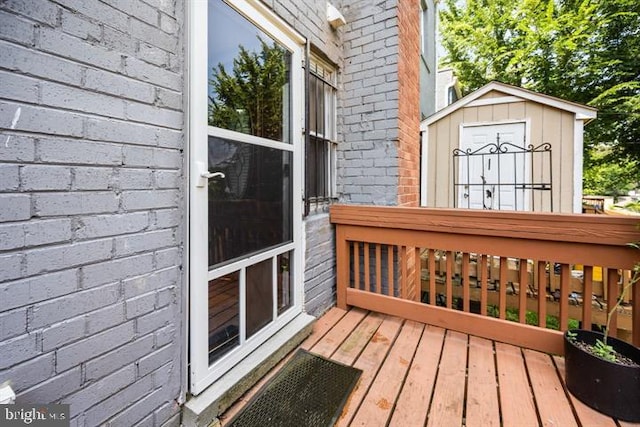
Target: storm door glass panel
{"type": "Point", "coordinates": [284, 278]}
{"type": "Point", "coordinates": [250, 208]}
{"type": "Point", "coordinates": [224, 315]}
{"type": "Point", "coordinates": [259, 296]}
{"type": "Point", "coordinates": [249, 77]}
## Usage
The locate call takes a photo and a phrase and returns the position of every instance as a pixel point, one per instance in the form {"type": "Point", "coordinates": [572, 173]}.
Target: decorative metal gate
{"type": "Point", "coordinates": [503, 176]}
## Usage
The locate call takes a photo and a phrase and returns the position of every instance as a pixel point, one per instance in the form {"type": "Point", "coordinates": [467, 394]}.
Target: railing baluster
{"type": "Point", "coordinates": [356, 265]}
{"type": "Point", "coordinates": [522, 290]}
{"type": "Point", "coordinates": [587, 300]}
{"type": "Point", "coordinates": [403, 272]}
{"type": "Point", "coordinates": [367, 267]}
{"type": "Point", "coordinates": [449, 279]}
{"type": "Point", "coordinates": [465, 281]}
{"type": "Point", "coordinates": [483, 285]}
{"type": "Point", "coordinates": [565, 285]}
{"type": "Point", "coordinates": [378, 269]}
{"type": "Point", "coordinates": [542, 294]}
{"type": "Point", "coordinates": [635, 315]}
{"type": "Point", "coordinates": [612, 299]}
{"type": "Point", "coordinates": [417, 281]}
{"type": "Point", "coordinates": [502, 304]}
{"type": "Point", "coordinates": [432, 277]}
{"type": "Point", "coordinates": [390, 273]}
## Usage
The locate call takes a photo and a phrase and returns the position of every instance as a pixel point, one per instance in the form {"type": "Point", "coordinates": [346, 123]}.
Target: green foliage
{"type": "Point", "coordinates": [634, 207]}
{"type": "Point", "coordinates": [531, 317]}
{"type": "Point", "coordinates": [250, 99]}
{"type": "Point", "coordinates": [586, 51]}
{"type": "Point", "coordinates": [606, 177]}
{"type": "Point", "coordinates": [604, 351]}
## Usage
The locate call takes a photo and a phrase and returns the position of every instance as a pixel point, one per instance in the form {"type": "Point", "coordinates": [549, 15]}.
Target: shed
{"type": "Point", "coordinates": [505, 147]}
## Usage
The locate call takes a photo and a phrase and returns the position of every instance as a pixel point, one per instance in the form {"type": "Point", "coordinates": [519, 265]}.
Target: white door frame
{"type": "Point", "coordinates": [201, 375]}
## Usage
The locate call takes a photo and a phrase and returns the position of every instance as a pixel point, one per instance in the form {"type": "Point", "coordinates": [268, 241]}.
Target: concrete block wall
{"type": "Point", "coordinates": [91, 207]}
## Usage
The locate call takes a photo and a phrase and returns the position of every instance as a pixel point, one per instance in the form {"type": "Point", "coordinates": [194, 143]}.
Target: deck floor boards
{"type": "Point", "coordinates": [421, 375]}
{"type": "Point", "coordinates": [482, 408]}
{"type": "Point", "coordinates": [377, 405]}
{"type": "Point", "coordinates": [413, 402]}
{"type": "Point", "coordinates": [516, 399]}
{"type": "Point", "coordinates": [553, 405]}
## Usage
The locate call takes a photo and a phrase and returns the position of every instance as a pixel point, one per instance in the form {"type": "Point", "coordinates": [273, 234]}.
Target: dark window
{"type": "Point", "coordinates": [250, 209]}
{"type": "Point", "coordinates": [321, 147]}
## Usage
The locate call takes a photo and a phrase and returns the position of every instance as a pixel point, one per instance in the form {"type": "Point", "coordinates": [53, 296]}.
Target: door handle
{"type": "Point", "coordinates": [208, 175]}
{"type": "Point", "coordinates": [204, 175]}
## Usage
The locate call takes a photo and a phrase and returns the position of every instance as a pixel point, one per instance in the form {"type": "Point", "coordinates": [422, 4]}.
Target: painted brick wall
{"type": "Point", "coordinates": [368, 156]}
{"type": "Point", "coordinates": [91, 206]}
{"type": "Point", "coordinates": [409, 107]}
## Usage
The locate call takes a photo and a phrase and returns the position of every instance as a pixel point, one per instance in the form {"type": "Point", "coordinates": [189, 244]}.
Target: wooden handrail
{"type": "Point", "coordinates": [541, 240]}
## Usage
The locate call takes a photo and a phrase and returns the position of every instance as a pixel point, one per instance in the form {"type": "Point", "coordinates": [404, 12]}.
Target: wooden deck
{"type": "Point", "coordinates": [416, 374]}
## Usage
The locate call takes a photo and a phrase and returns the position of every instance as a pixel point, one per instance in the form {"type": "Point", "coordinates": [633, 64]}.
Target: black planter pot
{"type": "Point", "coordinates": [607, 387]}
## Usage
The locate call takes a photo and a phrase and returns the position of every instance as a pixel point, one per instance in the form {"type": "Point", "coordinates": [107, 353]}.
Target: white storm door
{"type": "Point", "coordinates": [245, 249]}
{"type": "Point", "coordinates": [494, 177]}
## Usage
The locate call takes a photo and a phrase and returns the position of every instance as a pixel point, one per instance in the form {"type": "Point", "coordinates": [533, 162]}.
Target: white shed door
{"type": "Point", "coordinates": [493, 178]}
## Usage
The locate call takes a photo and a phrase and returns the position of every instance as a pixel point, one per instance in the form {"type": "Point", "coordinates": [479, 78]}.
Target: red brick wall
{"type": "Point", "coordinates": [409, 103]}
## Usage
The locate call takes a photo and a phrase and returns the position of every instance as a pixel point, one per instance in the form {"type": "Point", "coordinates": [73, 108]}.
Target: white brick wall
{"type": "Point", "coordinates": [90, 195]}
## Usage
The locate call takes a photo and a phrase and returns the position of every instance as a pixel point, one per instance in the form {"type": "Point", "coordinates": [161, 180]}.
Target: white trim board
{"type": "Point", "coordinates": [582, 112]}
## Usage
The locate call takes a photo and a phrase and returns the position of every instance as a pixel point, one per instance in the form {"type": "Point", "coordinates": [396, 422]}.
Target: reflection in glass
{"type": "Point", "coordinates": [250, 208]}
{"type": "Point", "coordinates": [285, 297]}
{"type": "Point", "coordinates": [259, 296]}
{"type": "Point", "coordinates": [249, 75]}
{"type": "Point", "coordinates": [224, 317]}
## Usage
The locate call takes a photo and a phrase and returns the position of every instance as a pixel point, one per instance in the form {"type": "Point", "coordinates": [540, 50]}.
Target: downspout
{"type": "Point", "coordinates": [307, 112]}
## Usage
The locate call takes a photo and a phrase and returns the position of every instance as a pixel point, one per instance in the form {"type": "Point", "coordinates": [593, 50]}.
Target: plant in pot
{"type": "Point", "coordinates": [602, 371]}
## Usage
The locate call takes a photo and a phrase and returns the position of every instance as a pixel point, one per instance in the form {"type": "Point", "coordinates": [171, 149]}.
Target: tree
{"type": "Point", "coordinates": [609, 178]}
{"type": "Point", "coordinates": [587, 51]}
{"type": "Point", "coordinates": [250, 99]}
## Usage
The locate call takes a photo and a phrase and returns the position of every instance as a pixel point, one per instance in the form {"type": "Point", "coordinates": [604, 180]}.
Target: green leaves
{"type": "Point", "coordinates": [250, 99]}
{"type": "Point", "coordinates": [604, 351]}
{"type": "Point", "coordinates": [586, 51]}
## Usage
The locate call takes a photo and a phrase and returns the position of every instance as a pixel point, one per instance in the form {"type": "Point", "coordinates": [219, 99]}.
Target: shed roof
{"type": "Point", "coordinates": [512, 94]}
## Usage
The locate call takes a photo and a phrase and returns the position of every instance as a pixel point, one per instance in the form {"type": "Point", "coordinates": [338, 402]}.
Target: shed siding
{"type": "Point", "coordinates": [91, 223]}
{"type": "Point", "coordinates": [547, 124]}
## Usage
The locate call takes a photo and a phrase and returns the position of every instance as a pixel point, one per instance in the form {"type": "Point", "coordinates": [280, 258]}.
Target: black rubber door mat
{"type": "Point", "coordinates": [309, 391]}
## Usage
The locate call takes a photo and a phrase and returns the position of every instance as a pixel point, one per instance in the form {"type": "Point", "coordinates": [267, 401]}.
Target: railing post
{"type": "Point", "coordinates": [342, 268]}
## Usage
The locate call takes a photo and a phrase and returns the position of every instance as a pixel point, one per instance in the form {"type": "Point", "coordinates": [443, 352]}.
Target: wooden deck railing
{"type": "Point", "coordinates": [489, 273]}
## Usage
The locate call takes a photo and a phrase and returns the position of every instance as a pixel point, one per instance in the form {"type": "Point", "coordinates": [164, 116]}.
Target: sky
{"type": "Point", "coordinates": [227, 30]}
